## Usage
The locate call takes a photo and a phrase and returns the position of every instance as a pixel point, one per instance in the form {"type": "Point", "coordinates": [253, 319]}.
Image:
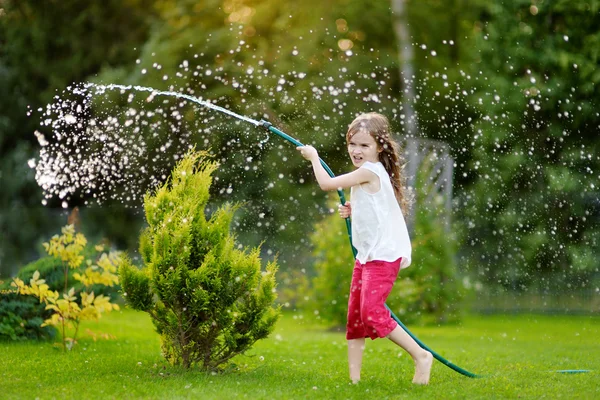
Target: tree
{"type": "Point", "coordinates": [208, 299]}
{"type": "Point", "coordinates": [532, 215]}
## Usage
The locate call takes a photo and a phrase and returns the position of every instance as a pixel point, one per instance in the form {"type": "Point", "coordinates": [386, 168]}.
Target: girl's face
{"type": "Point", "coordinates": [362, 147]}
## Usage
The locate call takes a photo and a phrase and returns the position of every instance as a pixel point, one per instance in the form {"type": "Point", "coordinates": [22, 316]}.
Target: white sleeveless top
{"type": "Point", "coordinates": [378, 228]}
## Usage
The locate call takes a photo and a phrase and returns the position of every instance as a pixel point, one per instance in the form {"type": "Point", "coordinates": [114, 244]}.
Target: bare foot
{"type": "Point", "coordinates": [423, 369]}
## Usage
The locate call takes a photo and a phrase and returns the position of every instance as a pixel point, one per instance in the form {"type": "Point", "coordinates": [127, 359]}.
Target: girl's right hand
{"type": "Point", "coordinates": [345, 210]}
{"type": "Point", "coordinates": [308, 152]}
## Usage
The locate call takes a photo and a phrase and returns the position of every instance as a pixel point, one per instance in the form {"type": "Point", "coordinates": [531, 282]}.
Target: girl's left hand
{"type": "Point", "coordinates": [308, 152]}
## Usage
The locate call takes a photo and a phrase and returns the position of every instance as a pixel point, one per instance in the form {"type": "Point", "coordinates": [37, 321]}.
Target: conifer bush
{"type": "Point", "coordinates": [208, 300]}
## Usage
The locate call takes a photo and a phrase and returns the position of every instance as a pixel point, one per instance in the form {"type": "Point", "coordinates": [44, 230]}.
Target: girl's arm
{"type": "Point", "coordinates": [326, 182]}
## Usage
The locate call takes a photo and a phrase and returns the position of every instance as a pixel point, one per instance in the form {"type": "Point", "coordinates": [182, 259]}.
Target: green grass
{"type": "Point", "coordinates": [302, 359]}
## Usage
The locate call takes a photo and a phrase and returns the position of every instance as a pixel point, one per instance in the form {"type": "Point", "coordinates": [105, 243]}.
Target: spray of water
{"type": "Point", "coordinates": [154, 92]}
{"type": "Point", "coordinates": [96, 150]}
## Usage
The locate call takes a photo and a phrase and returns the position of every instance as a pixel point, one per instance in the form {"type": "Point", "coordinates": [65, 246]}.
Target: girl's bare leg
{"type": "Point", "coordinates": [355, 355]}
{"type": "Point", "coordinates": [422, 358]}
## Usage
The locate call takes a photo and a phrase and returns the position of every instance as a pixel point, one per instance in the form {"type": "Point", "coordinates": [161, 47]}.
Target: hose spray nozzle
{"type": "Point", "coordinates": [265, 124]}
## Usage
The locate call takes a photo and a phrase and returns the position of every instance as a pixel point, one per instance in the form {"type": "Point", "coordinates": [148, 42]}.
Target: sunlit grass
{"type": "Point", "coordinates": [302, 359]}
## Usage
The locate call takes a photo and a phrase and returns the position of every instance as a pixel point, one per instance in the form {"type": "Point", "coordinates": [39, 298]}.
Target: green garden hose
{"type": "Point", "coordinates": [268, 126]}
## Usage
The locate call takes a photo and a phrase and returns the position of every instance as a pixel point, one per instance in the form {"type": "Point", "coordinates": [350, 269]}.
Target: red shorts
{"type": "Point", "coordinates": [371, 285]}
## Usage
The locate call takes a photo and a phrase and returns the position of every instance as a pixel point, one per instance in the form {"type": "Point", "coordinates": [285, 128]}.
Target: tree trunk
{"type": "Point", "coordinates": [406, 59]}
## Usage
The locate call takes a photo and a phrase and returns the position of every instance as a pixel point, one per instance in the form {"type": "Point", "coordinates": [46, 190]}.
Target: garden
{"type": "Point", "coordinates": [163, 237]}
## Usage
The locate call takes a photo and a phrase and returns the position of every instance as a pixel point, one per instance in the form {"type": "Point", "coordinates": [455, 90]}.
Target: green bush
{"type": "Point", "coordinates": [21, 317]}
{"type": "Point", "coordinates": [293, 289]}
{"type": "Point", "coordinates": [433, 242]}
{"type": "Point", "coordinates": [333, 269]}
{"type": "Point", "coordinates": [208, 300]}
{"type": "Point", "coordinates": [434, 269]}
{"type": "Point", "coordinates": [51, 268]}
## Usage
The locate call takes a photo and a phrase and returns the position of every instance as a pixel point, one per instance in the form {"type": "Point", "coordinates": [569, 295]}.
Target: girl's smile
{"type": "Point", "coordinates": [362, 147]}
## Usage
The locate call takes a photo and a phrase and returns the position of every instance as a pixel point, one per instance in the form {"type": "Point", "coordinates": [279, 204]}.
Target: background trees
{"type": "Point", "coordinates": [511, 88]}
{"type": "Point", "coordinates": [532, 207]}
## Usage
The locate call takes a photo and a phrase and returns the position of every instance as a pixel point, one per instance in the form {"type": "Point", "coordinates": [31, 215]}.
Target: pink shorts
{"type": "Point", "coordinates": [371, 285]}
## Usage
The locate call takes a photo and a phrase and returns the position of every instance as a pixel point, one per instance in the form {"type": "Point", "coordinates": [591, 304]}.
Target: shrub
{"type": "Point", "coordinates": [68, 312]}
{"type": "Point", "coordinates": [434, 268]}
{"type": "Point", "coordinates": [51, 268]}
{"type": "Point", "coordinates": [293, 289]}
{"type": "Point", "coordinates": [21, 317]}
{"type": "Point", "coordinates": [433, 242]}
{"type": "Point", "coordinates": [208, 300]}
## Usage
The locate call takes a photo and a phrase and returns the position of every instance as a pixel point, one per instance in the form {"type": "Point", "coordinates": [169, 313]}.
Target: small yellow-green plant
{"type": "Point", "coordinates": [68, 311]}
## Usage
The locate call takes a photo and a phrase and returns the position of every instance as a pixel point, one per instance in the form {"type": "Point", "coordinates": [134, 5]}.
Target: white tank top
{"type": "Point", "coordinates": [378, 227]}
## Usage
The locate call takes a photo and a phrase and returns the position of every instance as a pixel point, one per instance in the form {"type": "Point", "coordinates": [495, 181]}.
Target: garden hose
{"type": "Point", "coordinates": [268, 126]}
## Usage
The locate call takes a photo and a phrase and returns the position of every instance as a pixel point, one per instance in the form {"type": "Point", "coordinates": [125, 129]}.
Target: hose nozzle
{"type": "Point", "coordinates": [265, 124]}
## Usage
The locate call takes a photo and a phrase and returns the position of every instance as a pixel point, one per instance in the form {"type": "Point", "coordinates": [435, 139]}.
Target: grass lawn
{"type": "Point", "coordinates": [517, 355]}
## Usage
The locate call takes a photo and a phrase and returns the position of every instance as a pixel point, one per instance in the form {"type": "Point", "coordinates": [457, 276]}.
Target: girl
{"type": "Point", "coordinates": [379, 235]}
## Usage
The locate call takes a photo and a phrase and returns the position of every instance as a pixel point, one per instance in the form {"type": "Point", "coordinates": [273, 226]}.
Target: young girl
{"type": "Point", "coordinates": [379, 235]}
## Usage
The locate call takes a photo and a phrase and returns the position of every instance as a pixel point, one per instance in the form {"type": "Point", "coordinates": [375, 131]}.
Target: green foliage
{"type": "Point", "coordinates": [21, 317]}
{"type": "Point", "coordinates": [532, 214]}
{"type": "Point", "coordinates": [208, 299]}
{"type": "Point", "coordinates": [333, 269]}
{"type": "Point", "coordinates": [294, 289]}
{"type": "Point", "coordinates": [51, 268]}
{"type": "Point", "coordinates": [433, 267]}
